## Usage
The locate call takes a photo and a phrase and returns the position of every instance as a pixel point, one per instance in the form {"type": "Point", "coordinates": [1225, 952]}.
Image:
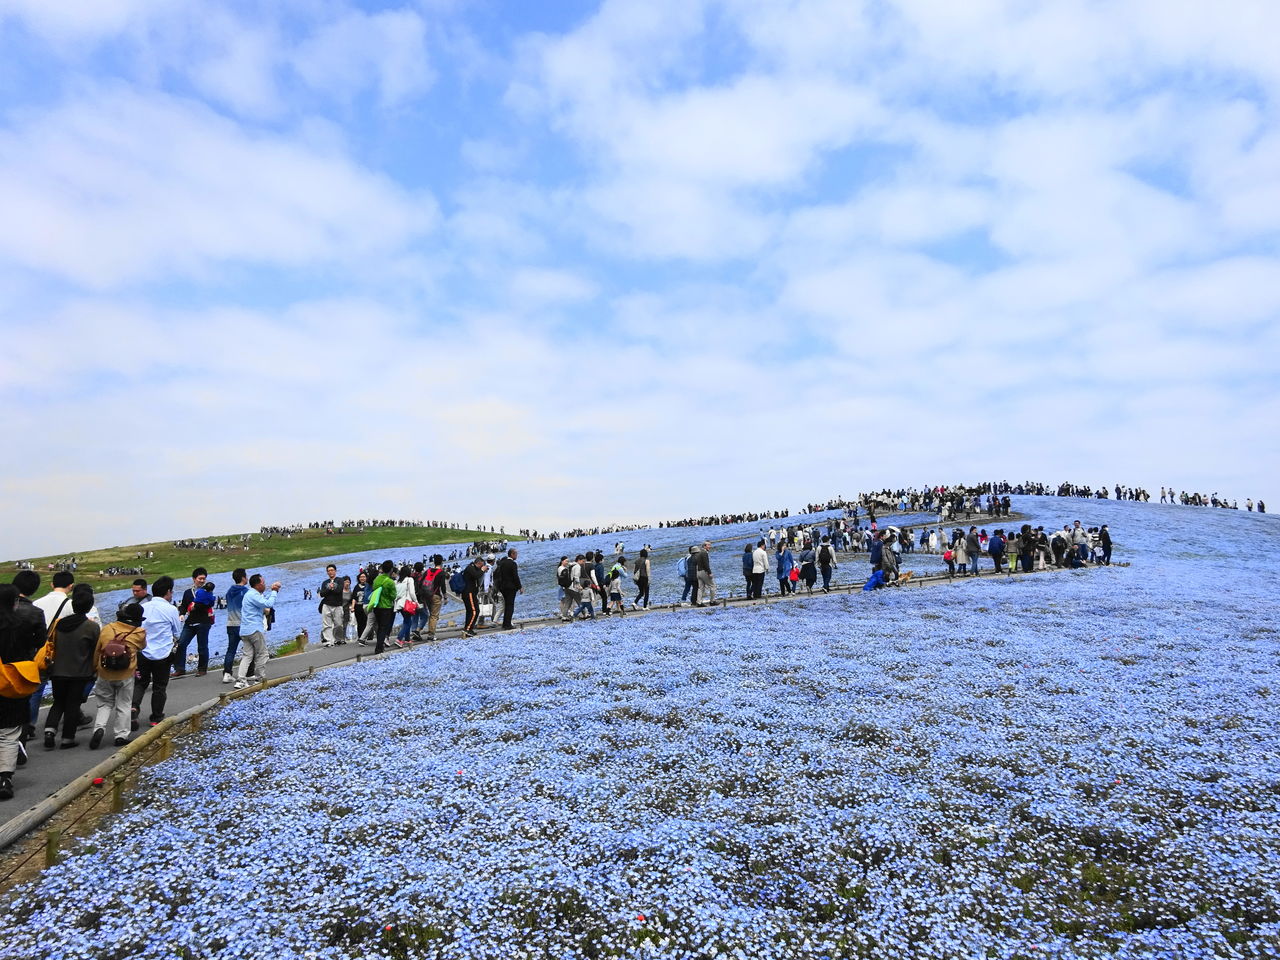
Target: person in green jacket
{"type": "Point", "coordinates": [383, 604]}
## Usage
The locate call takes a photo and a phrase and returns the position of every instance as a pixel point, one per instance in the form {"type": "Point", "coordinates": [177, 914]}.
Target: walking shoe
{"type": "Point", "coordinates": [68, 744]}
{"type": "Point", "coordinates": [133, 724]}
{"type": "Point", "coordinates": [49, 737]}
{"type": "Point", "coordinates": [430, 638]}
{"type": "Point", "coordinates": [121, 741]}
{"type": "Point", "coordinates": [241, 684]}
{"type": "Point", "coordinates": [401, 643]}
{"type": "Point", "coordinates": [201, 672]}
{"type": "Point", "coordinates": [6, 786]}
{"type": "Point", "coordinates": [179, 672]}
{"type": "Point", "coordinates": [85, 720]}
{"type": "Point", "coordinates": [22, 754]}
{"type": "Point", "coordinates": [96, 740]}
{"type": "Point", "coordinates": [227, 677]}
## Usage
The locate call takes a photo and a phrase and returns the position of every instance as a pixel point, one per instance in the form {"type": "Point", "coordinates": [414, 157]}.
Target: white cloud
{"type": "Point", "coordinates": [121, 187]}
{"type": "Point", "coordinates": [384, 51]}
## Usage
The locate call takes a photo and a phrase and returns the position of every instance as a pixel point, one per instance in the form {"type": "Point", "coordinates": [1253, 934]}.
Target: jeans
{"type": "Point", "coordinates": [68, 695]}
{"type": "Point", "coordinates": [826, 576]}
{"type": "Point", "coordinates": [153, 672]}
{"type": "Point", "coordinates": [200, 632]}
{"type": "Point", "coordinates": [233, 644]}
{"type": "Point", "coordinates": [584, 603]}
{"type": "Point", "coordinates": [690, 588]}
{"type": "Point", "coordinates": [406, 625]}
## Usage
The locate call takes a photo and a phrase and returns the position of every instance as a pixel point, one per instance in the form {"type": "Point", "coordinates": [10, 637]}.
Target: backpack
{"type": "Point", "coordinates": [458, 583]}
{"type": "Point", "coordinates": [562, 576]}
{"type": "Point", "coordinates": [422, 588]}
{"type": "Point", "coordinates": [824, 555]}
{"type": "Point", "coordinates": [115, 656]}
{"type": "Point", "coordinates": [682, 566]}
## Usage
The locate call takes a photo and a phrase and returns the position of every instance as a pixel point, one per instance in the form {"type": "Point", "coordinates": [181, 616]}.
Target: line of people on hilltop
{"type": "Point", "coordinates": [60, 642]}
{"type": "Point", "coordinates": [1187, 499]}
{"type": "Point", "coordinates": [722, 519]}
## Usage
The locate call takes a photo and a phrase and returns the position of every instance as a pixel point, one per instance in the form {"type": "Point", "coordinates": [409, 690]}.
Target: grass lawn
{"type": "Point", "coordinates": [303, 545]}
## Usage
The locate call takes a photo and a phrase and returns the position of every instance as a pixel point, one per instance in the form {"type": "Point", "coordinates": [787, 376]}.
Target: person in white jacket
{"type": "Point", "coordinates": [759, 567]}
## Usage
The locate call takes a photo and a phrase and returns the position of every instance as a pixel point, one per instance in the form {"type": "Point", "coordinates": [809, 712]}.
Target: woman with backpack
{"type": "Point", "coordinates": [826, 563]}
{"type": "Point", "coordinates": [808, 565]}
{"type": "Point", "coordinates": [115, 659]}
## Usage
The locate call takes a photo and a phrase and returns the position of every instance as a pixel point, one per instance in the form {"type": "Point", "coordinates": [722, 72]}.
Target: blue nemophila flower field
{"type": "Point", "coordinates": [1079, 764]}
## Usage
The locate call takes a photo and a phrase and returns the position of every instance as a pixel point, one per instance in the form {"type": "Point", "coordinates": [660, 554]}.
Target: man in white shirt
{"type": "Point", "coordinates": [161, 624]}
{"type": "Point", "coordinates": [759, 567]}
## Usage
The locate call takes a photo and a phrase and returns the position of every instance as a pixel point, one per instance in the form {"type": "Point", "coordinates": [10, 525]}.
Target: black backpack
{"type": "Point", "coordinates": [824, 555]}
{"type": "Point", "coordinates": [422, 589]}
{"type": "Point", "coordinates": [562, 576]}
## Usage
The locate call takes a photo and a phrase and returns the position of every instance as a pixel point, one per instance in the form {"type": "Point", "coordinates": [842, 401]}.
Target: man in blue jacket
{"type": "Point", "coordinates": [234, 598]}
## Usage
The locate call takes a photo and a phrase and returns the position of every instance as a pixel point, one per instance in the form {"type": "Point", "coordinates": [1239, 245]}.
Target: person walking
{"type": "Point", "coordinates": [1104, 540]}
{"type": "Point", "coordinates": [253, 630]}
{"type": "Point", "coordinates": [808, 565]}
{"type": "Point", "coordinates": [826, 563]}
{"type": "Point", "coordinates": [506, 578]}
{"type": "Point", "coordinates": [162, 628]}
{"type": "Point", "coordinates": [406, 604]}
{"type": "Point", "coordinates": [747, 564]}
{"type": "Point", "coordinates": [437, 582]}
{"type": "Point", "coordinates": [330, 593]}
{"type": "Point", "coordinates": [641, 573]}
{"type": "Point", "coordinates": [22, 634]}
{"type": "Point", "coordinates": [472, 582]}
{"type": "Point", "coordinates": [383, 604]}
{"type": "Point", "coordinates": [234, 599]}
{"type": "Point", "coordinates": [687, 568]}
{"type": "Point", "coordinates": [785, 562]}
{"type": "Point", "coordinates": [75, 637]}
{"type": "Point", "coordinates": [114, 660]}
{"type": "Point", "coordinates": [973, 547]}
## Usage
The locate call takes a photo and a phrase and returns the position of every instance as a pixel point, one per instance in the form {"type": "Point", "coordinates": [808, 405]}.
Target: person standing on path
{"type": "Point", "coordinates": [785, 562]}
{"type": "Point", "coordinates": [234, 598]}
{"type": "Point", "coordinates": [759, 567]}
{"type": "Point", "coordinates": [330, 593]}
{"type": "Point", "coordinates": [253, 629]}
{"type": "Point", "coordinates": [826, 563]}
{"type": "Point", "coordinates": [113, 691]}
{"type": "Point", "coordinates": [706, 579]}
{"type": "Point", "coordinates": [162, 629]}
{"type": "Point", "coordinates": [506, 577]}
{"type": "Point", "coordinates": [973, 547]}
{"type": "Point", "coordinates": [196, 620]}
{"type": "Point", "coordinates": [1104, 540]}
{"type": "Point", "coordinates": [359, 597]}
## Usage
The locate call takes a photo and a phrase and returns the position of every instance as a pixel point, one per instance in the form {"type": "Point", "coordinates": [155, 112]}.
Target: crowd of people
{"type": "Point", "coordinates": [60, 640]}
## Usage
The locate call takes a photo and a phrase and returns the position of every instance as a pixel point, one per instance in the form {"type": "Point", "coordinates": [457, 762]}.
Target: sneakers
{"type": "Point", "coordinates": [133, 724]}
{"type": "Point", "coordinates": [22, 754]}
{"type": "Point", "coordinates": [121, 741]}
{"type": "Point", "coordinates": [6, 786]}
{"type": "Point", "coordinates": [96, 740]}
{"type": "Point", "coordinates": [49, 737]}
{"type": "Point", "coordinates": [85, 720]}
{"type": "Point", "coordinates": [241, 684]}
{"type": "Point", "coordinates": [68, 744]}
{"type": "Point", "coordinates": [401, 643]}
{"type": "Point", "coordinates": [201, 672]}
{"type": "Point", "coordinates": [226, 676]}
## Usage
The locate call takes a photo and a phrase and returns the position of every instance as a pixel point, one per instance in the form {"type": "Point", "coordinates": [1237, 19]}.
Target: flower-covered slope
{"type": "Point", "coordinates": [1070, 765]}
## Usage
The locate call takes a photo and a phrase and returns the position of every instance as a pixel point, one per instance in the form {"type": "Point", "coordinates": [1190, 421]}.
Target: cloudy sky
{"type": "Point", "coordinates": [569, 262]}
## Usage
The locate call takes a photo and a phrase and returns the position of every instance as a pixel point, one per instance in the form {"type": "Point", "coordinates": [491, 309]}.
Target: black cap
{"type": "Point", "coordinates": [131, 613]}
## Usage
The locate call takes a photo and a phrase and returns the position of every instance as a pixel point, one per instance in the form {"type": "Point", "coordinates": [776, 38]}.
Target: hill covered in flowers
{"type": "Point", "coordinates": [1076, 764]}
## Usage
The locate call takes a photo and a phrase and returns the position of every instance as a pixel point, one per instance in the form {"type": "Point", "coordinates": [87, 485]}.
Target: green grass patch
{"type": "Point", "coordinates": [303, 545]}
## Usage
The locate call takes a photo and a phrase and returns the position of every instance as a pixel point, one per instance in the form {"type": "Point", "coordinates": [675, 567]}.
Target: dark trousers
{"type": "Point", "coordinates": [757, 585]}
{"type": "Point", "coordinates": [68, 695]}
{"type": "Point", "coordinates": [508, 608]}
{"type": "Point", "coordinates": [825, 570]}
{"type": "Point", "coordinates": [233, 644]}
{"type": "Point", "coordinates": [642, 591]}
{"type": "Point", "coordinates": [152, 672]}
{"type": "Point", "coordinates": [362, 618]}
{"type": "Point", "coordinates": [998, 560]}
{"type": "Point", "coordinates": [200, 633]}
{"type": "Point", "coordinates": [472, 605]}
{"type": "Point", "coordinates": [383, 618]}
{"type": "Point", "coordinates": [1106, 555]}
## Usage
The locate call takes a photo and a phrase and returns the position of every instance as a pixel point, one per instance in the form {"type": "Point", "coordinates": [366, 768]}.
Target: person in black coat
{"type": "Point", "coordinates": [506, 577]}
{"type": "Point", "coordinates": [22, 634]}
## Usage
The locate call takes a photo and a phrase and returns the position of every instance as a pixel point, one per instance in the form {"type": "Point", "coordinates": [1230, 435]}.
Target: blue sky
{"type": "Point", "coordinates": [578, 263]}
